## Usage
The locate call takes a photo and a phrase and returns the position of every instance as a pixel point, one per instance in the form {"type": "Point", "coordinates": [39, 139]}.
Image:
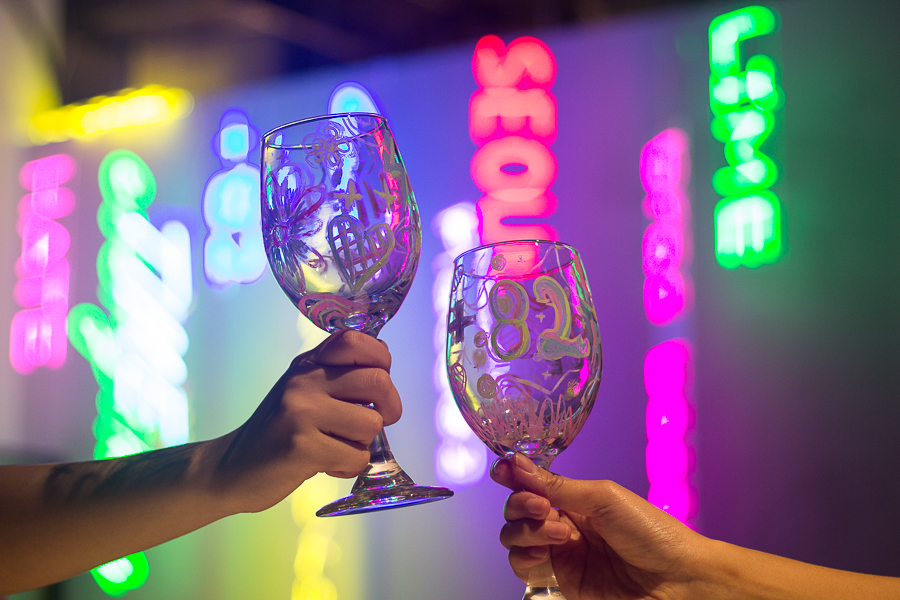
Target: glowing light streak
{"type": "Point", "coordinates": [665, 173]}
{"type": "Point", "coordinates": [743, 101]}
{"type": "Point", "coordinates": [129, 108]}
{"type": "Point", "coordinates": [513, 119]}
{"type": "Point", "coordinates": [38, 332]}
{"type": "Point", "coordinates": [460, 457]}
{"type": "Point", "coordinates": [136, 353]}
{"type": "Point", "coordinates": [233, 251]}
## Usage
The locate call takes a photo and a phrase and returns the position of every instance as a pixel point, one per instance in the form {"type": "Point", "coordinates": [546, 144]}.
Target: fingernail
{"type": "Point", "coordinates": [535, 506]}
{"type": "Point", "coordinates": [537, 551]}
{"type": "Point", "coordinates": [523, 463]}
{"type": "Point", "coordinates": [557, 531]}
{"type": "Point", "coordinates": [500, 465]}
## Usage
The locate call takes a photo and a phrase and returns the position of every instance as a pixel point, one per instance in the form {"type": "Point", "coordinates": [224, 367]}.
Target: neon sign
{"type": "Point", "coordinates": [37, 334]}
{"type": "Point", "coordinates": [352, 97]}
{"type": "Point", "coordinates": [665, 173]}
{"type": "Point", "coordinates": [233, 251]}
{"type": "Point", "coordinates": [665, 247]}
{"type": "Point", "coordinates": [316, 545]}
{"type": "Point", "coordinates": [743, 101]}
{"type": "Point", "coordinates": [136, 353]}
{"type": "Point", "coordinates": [513, 119]}
{"type": "Point", "coordinates": [460, 457]}
{"type": "Point", "coordinates": [666, 372]}
{"type": "Point", "coordinates": [129, 108]}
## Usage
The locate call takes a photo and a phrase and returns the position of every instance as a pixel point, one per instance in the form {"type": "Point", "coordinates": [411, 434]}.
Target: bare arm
{"type": "Point", "coordinates": [60, 520]}
{"type": "Point", "coordinates": [606, 542]}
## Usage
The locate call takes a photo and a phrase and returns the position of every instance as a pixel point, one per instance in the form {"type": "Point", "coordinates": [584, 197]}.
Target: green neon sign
{"type": "Point", "coordinates": [119, 577]}
{"type": "Point", "coordinates": [135, 347]}
{"type": "Point", "coordinates": [743, 100]}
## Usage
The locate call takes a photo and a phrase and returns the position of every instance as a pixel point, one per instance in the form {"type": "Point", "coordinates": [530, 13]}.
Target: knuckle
{"type": "Point", "coordinates": [380, 380]}
{"type": "Point", "coordinates": [553, 483]}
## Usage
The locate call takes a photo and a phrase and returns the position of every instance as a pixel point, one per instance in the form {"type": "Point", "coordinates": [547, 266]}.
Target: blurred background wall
{"type": "Point", "coordinates": [795, 388]}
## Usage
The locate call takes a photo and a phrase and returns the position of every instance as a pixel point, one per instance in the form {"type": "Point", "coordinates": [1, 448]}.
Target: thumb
{"type": "Point", "coordinates": [587, 498]}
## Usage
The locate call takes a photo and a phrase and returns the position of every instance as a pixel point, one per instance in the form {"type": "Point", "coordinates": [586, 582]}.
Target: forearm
{"type": "Point", "coordinates": [731, 572]}
{"type": "Point", "coordinates": [60, 520]}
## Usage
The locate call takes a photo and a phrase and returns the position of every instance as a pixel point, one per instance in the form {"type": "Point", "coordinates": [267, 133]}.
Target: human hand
{"type": "Point", "coordinates": [315, 419]}
{"type": "Point", "coordinates": [604, 541]}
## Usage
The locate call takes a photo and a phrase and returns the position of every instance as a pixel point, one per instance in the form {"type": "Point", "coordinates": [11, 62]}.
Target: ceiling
{"type": "Point", "coordinates": [204, 45]}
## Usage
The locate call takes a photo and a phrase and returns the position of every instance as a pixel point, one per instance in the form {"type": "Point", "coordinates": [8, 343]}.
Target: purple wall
{"type": "Point", "coordinates": [797, 387]}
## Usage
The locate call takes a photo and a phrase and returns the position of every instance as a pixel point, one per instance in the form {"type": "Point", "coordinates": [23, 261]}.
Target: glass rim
{"type": "Point", "coordinates": [267, 144]}
{"type": "Point", "coordinates": [457, 261]}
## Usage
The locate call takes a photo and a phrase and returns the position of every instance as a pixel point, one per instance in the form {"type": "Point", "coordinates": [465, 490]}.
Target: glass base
{"type": "Point", "coordinates": [382, 486]}
{"type": "Point", "coordinates": [383, 500]}
{"type": "Point", "coordinates": [543, 592]}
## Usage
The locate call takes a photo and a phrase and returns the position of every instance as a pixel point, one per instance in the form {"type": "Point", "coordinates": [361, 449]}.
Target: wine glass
{"type": "Point", "coordinates": [342, 234]}
{"type": "Point", "coordinates": [523, 354]}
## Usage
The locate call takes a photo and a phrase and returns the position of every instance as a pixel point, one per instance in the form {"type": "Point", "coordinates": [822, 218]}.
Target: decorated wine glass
{"type": "Point", "coordinates": [342, 234]}
{"type": "Point", "coordinates": [523, 354]}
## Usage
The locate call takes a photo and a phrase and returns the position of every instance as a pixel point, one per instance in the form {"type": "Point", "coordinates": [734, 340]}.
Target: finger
{"type": "Point", "coordinates": [332, 455]}
{"type": "Point", "coordinates": [525, 505]}
{"type": "Point", "coordinates": [350, 348]}
{"type": "Point", "coordinates": [349, 422]}
{"type": "Point", "coordinates": [502, 472]}
{"type": "Point", "coordinates": [366, 386]}
{"type": "Point", "coordinates": [529, 532]}
{"type": "Point", "coordinates": [522, 559]}
{"type": "Point", "coordinates": [589, 498]}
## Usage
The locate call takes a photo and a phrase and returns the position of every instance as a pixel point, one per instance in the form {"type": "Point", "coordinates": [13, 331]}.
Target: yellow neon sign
{"type": "Point", "coordinates": [129, 108]}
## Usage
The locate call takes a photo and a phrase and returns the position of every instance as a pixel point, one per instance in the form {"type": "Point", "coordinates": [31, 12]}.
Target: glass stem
{"type": "Point", "coordinates": [380, 450]}
{"type": "Point", "coordinates": [383, 470]}
{"type": "Point", "coordinates": [542, 581]}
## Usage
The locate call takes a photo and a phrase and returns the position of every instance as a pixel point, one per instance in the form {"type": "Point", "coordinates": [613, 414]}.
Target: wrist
{"type": "Point", "coordinates": [716, 571]}
{"type": "Point", "coordinates": [216, 487]}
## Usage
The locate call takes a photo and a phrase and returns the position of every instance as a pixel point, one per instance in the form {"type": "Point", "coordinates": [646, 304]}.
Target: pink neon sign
{"type": "Point", "coordinates": [666, 372]}
{"type": "Point", "coordinates": [665, 172]}
{"type": "Point", "coordinates": [38, 332]}
{"type": "Point", "coordinates": [513, 119]}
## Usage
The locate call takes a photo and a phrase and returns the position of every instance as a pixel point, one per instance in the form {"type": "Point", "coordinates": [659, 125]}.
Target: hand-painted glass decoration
{"type": "Point", "coordinates": [743, 100]}
{"type": "Point", "coordinates": [344, 259]}
{"type": "Point", "coordinates": [37, 333]}
{"type": "Point", "coordinates": [530, 388]}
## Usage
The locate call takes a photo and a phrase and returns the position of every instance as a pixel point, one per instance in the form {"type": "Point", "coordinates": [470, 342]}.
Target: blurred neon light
{"type": "Point", "coordinates": [667, 369]}
{"type": "Point", "coordinates": [120, 576]}
{"type": "Point", "coordinates": [136, 353]}
{"type": "Point", "coordinates": [316, 546]}
{"type": "Point", "coordinates": [233, 251]}
{"type": "Point", "coordinates": [742, 99]}
{"type": "Point", "coordinates": [460, 457]}
{"type": "Point", "coordinates": [665, 171]}
{"type": "Point", "coordinates": [129, 108]}
{"type": "Point", "coordinates": [513, 119]}
{"type": "Point", "coordinates": [665, 174]}
{"type": "Point", "coordinates": [351, 96]}
{"type": "Point", "coordinates": [37, 335]}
